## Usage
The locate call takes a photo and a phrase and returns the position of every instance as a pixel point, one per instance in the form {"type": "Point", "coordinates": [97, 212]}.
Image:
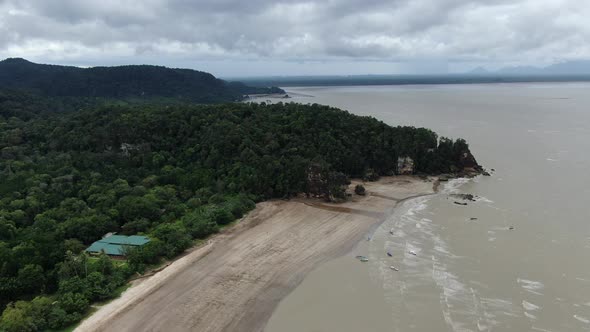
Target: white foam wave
{"type": "Point", "coordinates": [531, 285]}
{"type": "Point", "coordinates": [582, 319]}
{"type": "Point", "coordinates": [453, 185]}
{"type": "Point", "coordinates": [407, 230]}
{"type": "Point", "coordinates": [416, 208]}
{"type": "Point", "coordinates": [454, 297]}
{"type": "Point", "coordinates": [399, 233]}
{"type": "Point", "coordinates": [483, 199]}
{"type": "Point", "coordinates": [490, 308]}
{"type": "Point", "coordinates": [499, 305]}
{"type": "Point", "coordinates": [529, 306]}
{"type": "Point", "coordinates": [530, 316]}
{"type": "Point", "coordinates": [441, 250]}
{"type": "Point", "coordinates": [540, 329]}
{"type": "Point", "coordinates": [482, 327]}
{"type": "Point", "coordinates": [429, 266]}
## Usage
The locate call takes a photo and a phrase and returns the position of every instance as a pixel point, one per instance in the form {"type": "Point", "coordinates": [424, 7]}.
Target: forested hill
{"type": "Point", "coordinates": [122, 82]}
{"type": "Point", "coordinates": [173, 173]}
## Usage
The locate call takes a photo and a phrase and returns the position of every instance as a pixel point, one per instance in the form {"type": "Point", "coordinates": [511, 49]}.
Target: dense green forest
{"type": "Point", "coordinates": [175, 173]}
{"type": "Point", "coordinates": [141, 82]}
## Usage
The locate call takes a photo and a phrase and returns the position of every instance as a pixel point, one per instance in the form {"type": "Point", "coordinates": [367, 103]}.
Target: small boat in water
{"type": "Point", "coordinates": [389, 254]}
{"type": "Point", "coordinates": [362, 258]}
{"type": "Point", "coordinates": [394, 268]}
{"type": "Point", "coordinates": [412, 252]}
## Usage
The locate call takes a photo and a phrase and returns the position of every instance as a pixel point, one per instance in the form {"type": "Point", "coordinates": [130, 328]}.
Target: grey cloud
{"type": "Point", "coordinates": [487, 31]}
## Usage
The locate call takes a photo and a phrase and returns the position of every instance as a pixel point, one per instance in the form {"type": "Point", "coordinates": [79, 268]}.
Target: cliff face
{"type": "Point", "coordinates": [469, 166]}
{"type": "Point", "coordinates": [467, 161]}
{"type": "Point", "coordinates": [405, 166]}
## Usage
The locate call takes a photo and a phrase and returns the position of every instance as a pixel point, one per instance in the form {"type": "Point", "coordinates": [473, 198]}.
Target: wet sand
{"type": "Point", "coordinates": [235, 282]}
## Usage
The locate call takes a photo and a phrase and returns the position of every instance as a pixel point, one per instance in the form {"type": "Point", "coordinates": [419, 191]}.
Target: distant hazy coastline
{"type": "Point", "coordinates": [357, 80]}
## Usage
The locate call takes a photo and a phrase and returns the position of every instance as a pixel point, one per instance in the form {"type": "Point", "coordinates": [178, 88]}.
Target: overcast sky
{"type": "Point", "coordinates": [293, 37]}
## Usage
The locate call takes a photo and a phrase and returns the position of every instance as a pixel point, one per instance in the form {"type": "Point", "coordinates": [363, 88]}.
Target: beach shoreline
{"type": "Point", "coordinates": [236, 280]}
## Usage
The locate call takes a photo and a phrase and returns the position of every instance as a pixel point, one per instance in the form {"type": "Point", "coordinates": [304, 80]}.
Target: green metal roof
{"type": "Point", "coordinates": [133, 240]}
{"type": "Point", "coordinates": [115, 244]}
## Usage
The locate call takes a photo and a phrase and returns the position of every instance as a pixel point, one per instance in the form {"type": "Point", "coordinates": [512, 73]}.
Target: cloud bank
{"type": "Point", "coordinates": [298, 37]}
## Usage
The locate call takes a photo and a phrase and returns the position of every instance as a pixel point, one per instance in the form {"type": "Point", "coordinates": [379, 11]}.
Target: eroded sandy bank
{"type": "Point", "coordinates": [236, 281]}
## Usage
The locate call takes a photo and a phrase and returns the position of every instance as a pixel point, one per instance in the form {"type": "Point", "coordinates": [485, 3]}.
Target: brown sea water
{"type": "Point", "coordinates": [469, 274]}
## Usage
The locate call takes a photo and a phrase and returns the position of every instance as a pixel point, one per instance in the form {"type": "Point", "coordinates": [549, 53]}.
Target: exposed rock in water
{"type": "Point", "coordinates": [466, 197]}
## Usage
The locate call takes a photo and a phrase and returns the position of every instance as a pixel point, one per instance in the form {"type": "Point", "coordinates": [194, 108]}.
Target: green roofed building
{"type": "Point", "coordinates": [115, 245]}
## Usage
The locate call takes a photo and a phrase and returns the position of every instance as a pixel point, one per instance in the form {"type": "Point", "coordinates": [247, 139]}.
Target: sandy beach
{"type": "Point", "coordinates": [236, 280]}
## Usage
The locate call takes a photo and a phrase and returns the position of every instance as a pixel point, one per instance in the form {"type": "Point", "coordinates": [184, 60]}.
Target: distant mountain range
{"type": "Point", "coordinates": [123, 82]}
{"type": "Point", "coordinates": [581, 67]}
